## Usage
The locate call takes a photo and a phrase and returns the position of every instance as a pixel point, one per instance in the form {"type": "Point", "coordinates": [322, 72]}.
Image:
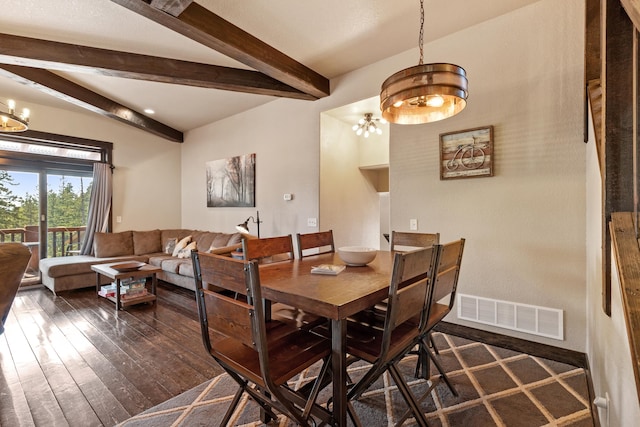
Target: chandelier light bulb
{"type": "Point", "coordinates": [435, 101]}
{"type": "Point", "coordinates": [368, 125]}
{"type": "Point", "coordinates": [10, 122]}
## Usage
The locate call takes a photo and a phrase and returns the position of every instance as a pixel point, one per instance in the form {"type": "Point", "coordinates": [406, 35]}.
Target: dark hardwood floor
{"type": "Point", "coordinates": [71, 360]}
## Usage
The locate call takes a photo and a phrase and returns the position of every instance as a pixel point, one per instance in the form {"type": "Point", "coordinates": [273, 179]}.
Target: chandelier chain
{"type": "Point", "coordinates": [421, 38]}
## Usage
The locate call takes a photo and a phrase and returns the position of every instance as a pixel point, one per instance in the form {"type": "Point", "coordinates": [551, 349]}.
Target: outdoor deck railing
{"type": "Point", "coordinates": [61, 241]}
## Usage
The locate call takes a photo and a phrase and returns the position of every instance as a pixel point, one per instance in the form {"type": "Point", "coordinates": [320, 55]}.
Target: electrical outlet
{"type": "Point", "coordinates": [312, 222]}
{"type": "Point", "coordinates": [118, 219]}
{"type": "Point", "coordinates": [413, 224]}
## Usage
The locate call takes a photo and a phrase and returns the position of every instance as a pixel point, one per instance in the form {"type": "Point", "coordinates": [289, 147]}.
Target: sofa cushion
{"type": "Point", "coordinates": [172, 265]}
{"type": "Point", "coordinates": [112, 244]}
{"type": "Point", "coordinates": [156, 260]}
{"type": "Point", "coordinates": [146, 242]}
{"type": "Point", "coordinates": [186, 269]}
{"type": "Point", "coordinates": [79, 264]}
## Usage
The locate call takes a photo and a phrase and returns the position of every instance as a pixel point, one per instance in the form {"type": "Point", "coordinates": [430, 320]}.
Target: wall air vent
{"type": "Point", "coordinates": [543, 321]}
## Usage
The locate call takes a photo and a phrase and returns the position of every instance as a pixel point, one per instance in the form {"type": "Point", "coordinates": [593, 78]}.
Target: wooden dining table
{"type": "Point", "coordinates": [334, 297]}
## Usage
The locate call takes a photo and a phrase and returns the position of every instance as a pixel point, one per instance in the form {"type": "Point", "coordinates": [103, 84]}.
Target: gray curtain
{"type": "Point", "coordinates": [99, 205]}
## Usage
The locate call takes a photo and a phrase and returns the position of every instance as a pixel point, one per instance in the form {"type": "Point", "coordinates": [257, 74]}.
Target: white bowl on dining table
{"type": "Point", "coordinates": [357, 255]}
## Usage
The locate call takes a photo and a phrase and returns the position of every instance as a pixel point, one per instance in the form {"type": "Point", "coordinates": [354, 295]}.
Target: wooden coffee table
{"type": "Point", "coordinates": [126, 270]}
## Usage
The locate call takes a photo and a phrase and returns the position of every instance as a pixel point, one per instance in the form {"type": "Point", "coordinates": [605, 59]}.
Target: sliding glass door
{"type": "Point", "coordinates": [45, 210]}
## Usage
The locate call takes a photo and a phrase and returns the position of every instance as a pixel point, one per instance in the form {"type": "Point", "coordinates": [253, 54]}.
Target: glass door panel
{"type": "Point", "coordinates": [67, 210]}
{"type": "Point", "coordinates": [19, 215]}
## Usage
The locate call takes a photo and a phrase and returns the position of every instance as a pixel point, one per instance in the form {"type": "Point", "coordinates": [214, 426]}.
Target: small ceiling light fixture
{"type": "Point", "coordinates": [424, 93]}
{"type": "Point", "coordinates": [368, 125]}
{"type": "Point", "coordinates": [9, 122]}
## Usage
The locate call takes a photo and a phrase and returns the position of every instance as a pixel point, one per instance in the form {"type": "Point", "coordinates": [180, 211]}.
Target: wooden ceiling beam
{"type": "Point", "coordinates": [36, 53]}
{"type": "Point", "coordinates": [207, 28]}
{"type": "Point", "coordinates": [173, 7]}
{"type": "Point", "coordinates": [66, 90]}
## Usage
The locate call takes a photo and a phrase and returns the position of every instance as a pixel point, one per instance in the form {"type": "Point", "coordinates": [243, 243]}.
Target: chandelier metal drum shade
{"type": "Point", "coordinates": [424, 93]}
{"type": "Point", "coordinates": [368, 125]}
{"type": "Point", "coordinates": [10, 122]}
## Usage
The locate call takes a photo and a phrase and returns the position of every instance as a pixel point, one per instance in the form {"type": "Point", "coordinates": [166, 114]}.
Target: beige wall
{"type": "Point", "coordinates": [525, 226]}
{"type": "Point", "coordinates": [147, 168]}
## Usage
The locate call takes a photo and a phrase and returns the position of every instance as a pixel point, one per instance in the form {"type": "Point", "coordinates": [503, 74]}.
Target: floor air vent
{"type": "Point", "coordinates": [531, 319]}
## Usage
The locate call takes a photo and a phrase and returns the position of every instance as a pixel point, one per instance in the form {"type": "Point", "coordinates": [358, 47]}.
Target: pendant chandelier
{"type": "Point", "coordinates": [424, 93]}
{"type": "Point", "coordinates": [10, 122]}
{"type": "Point", "coordinates": [368, 125]}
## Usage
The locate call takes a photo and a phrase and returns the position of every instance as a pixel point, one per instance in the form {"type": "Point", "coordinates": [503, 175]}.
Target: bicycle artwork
{"type": "Point", "coordinates": [466, 154]}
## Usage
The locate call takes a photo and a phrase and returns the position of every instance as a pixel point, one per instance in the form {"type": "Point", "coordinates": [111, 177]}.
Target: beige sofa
{"type": "Point", "coordinates": [74, 272]}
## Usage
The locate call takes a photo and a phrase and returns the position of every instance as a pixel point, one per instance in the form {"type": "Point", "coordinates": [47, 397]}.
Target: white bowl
{"type": "Point", "coordinates": [357, 255]}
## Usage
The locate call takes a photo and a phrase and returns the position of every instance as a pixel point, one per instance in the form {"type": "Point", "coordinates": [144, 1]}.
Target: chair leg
{"type": "Point", "coordinates": [422, 364]}
{"type": "Point", "coordinates": [403, 387]}
{"type": "Point", "coordinates": [232, 406]}
{"type": "Point", "coordinates": [433, 344]}
{"type": "Point", "coordinates": [440, 369]}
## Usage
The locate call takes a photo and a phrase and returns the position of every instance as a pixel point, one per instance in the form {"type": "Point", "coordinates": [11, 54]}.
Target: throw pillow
{"type": "Point", "coordinates": [186, 251]}
{"type": "Point", "coordinates": [181, 245]}
{"type": "Point", "coordinates": [171, 245]}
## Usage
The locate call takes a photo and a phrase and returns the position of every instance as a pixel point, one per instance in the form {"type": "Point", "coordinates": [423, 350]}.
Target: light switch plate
{"type": "Point", "coordinates": [413, 224]}
{"type": "Point", "coordinates": [312, 222]}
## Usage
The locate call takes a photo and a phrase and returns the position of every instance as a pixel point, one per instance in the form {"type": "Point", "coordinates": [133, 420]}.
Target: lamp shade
{"type": "Point", "coordinates": [424, 93]}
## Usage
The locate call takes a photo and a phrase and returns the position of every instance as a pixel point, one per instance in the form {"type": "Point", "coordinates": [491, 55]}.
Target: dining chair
{"type": "Point", "coordinates": [321, 241]}
{"type": "Point", "coordinates": [405, 319]}
{"type": "Point", "coordinates": [260, 355]}
{"type": "Point", "coordinates": [445, 286]}
{"type": "Point", "coordinates": [268, 249]}
{"type": "Point", "coordinates": [279, 249]}
{"type": "Point", "coordinates": [401, 240]}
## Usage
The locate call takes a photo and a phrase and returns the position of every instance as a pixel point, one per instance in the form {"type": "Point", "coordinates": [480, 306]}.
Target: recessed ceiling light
{"type": "Point", "coordinates": [149, 111]}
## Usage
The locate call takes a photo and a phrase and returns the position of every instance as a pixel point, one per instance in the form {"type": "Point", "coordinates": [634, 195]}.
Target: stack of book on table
{"type": "Point", "coordinates": [129, 289]}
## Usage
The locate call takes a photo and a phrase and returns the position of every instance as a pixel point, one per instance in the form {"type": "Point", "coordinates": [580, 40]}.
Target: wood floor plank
{"type": "Point", "coordinates": [133, 400]}
{"type": "Point", "coordinates": [43, 405]}
{"type": "Point", "coordinates": [14, 409]}
{"type": "Point", "coordinates": [71, 380]}
{"type": "Point", "coordinates": [133, 369]}
{"type": "Point", "coordinates": [152, 354]}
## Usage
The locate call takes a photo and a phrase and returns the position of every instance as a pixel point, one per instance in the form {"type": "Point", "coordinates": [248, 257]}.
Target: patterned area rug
{"type": "Point", "coordinates": [496, 387]}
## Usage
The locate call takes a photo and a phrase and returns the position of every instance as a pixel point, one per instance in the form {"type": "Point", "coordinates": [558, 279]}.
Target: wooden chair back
{"type": "Point", "coordinates": [446, 277]}
{"type": "Point", "coordinates": [269, 249]}
{"type": "Point", "coordinates": [401, 240]}
{"type": "Point", "coordinates": [409, 291]}
{"type": "Point", "coordinates": [322, 241]}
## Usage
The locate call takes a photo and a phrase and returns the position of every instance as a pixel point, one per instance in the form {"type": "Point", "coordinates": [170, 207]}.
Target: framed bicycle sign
{"type": "Point", "coordinates": [467, 153]}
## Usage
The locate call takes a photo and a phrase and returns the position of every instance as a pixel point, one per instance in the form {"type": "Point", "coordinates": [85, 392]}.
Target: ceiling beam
{"type": "Point", "coordinates": [207, 28]}
{"type": "Point", "coordinates": [36, 53]}
{"type": "Point", "coordinates": [173, 7]}
{"type": "Point", "coordinates": [66, 90]}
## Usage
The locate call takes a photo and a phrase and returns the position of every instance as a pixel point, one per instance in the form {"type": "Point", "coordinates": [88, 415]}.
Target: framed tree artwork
{"type": "Point", "coordinates": [467, 153]}
{"type": "Point", "coordinates": [231, 182]}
